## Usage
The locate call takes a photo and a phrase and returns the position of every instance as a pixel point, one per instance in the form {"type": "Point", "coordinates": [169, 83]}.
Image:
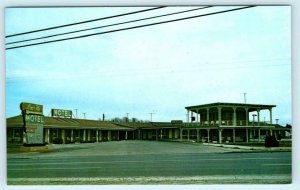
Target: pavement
{"type": "Point", "coordinates": [148, 162]}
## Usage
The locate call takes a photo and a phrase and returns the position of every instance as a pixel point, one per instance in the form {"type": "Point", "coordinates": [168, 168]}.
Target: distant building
{"type": "Point", "coordinates": [214, 123]}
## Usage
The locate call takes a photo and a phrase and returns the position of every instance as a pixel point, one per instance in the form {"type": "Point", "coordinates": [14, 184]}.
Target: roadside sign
{"type": "Point", "coordinates": [61, 113]}
{"type": "Point", "coordinates": [31, 108]}
{"type": "Point", "coordinates": [33, 122]}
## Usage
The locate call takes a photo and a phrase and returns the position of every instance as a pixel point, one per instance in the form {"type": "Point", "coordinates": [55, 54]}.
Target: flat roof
{"type": "Point", "coordinates": [224, 104]}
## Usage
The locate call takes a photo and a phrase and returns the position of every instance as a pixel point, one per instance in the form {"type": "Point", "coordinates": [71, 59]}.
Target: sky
{"type": "Point", "coordinates": [158, 69]}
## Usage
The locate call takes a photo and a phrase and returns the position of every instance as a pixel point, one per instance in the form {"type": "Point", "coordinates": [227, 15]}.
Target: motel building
{"type": "Point", "coordinates": [211, 123]}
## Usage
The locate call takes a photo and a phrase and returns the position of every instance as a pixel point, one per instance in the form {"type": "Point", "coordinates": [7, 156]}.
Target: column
{"type": "Point", "coordinates": [89, 135]}
{"type": "Point", "coordinates": [180, 135]}
{"type": "Point", "coordinates": [156, 135]}
{"type": "Point", "coordinates": [197, 116]}
{"type": "Point", "coordinates": [84, 134]}
{"type": "Point", "coordinates": [234, 116]}
{"type": "Point", "coordinates": [72, 135]}
{"type": "Point", "coordinates": [233, 135]}
{"type": "Point", "coordinates": [97, 135]}
{"type": "Point", "coordinates": [118, 133]}
{"type": "Point", "coordinates": [247, 136]}
{"type": "Point", "coordinates": [258, 117]}
{"type": "Point", "coordinates": [188, 116]}
{"type": "Point", "coordinates": [198, 136]}
{"type": "Point", "coordinates": [247, 116]}
{"type": "Point", "coordinates": [126, 135]}
{"type": "Point", "coordinates": [139, 134]}
{"type": "Point", "coordinates": [108, 135]}
{"type": "Point", "coordinates": [220, 116]}
{"type": "Point", "coordinates": [258, 135]}
{"type": "Point", "coordinates": [48, 136]}
{"type": "Point", "coordinates": [220, 136]}
{"type": "Point", "coordinates": [270, 116]}
{"type": "Point", "coordinates": [161, 134]}
{"type": "Point", "coordinates": [100, 138]}
{"type": "Point", "coordinates": [63, 136]}
{"type": "Point", "coordinates": [188, 135]}
{"type": "Point", "coordinates": [207, 116]}
{"type": "Point", "coordinates": [271, 132]}
{"type": "Point", "coordinates": [208, 135]}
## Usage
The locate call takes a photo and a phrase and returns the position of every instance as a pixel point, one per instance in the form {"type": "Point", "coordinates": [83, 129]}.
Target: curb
{"type": "Point", "coordinates": [250, 147]}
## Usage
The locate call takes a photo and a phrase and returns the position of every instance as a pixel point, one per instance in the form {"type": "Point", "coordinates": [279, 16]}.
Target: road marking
{"type": "Point", "coordinates": [276, 164]}
{"type": "Point", "coordinates": [132, 161]}
{"type": "Point", "coordinates": [157, 178]}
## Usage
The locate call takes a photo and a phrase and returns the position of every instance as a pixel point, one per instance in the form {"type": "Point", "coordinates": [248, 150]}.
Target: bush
{"type": "Point", "coordinates": [270, 141]}
{"type": "Point", "coordinates": [57, 141]}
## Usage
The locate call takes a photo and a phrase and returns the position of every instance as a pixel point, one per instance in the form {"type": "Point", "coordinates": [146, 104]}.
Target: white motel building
{"type": "Point", "coordinates": [213, 123]}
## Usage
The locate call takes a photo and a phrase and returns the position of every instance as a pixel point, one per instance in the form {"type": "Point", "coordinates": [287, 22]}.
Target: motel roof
{"type": "Point", "coordinates": [55, 122]}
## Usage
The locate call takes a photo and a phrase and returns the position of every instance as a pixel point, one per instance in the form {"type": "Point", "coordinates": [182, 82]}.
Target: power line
{"type": "Point", "coordinates": [120, 23]}
{"type": "Point", "coordinates": [87, 21]}
{"type": "Point", "coordinates": [130, 28]}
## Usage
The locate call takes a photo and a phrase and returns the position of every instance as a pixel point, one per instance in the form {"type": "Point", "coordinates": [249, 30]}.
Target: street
{"type": "Point", "coordinates": [160, 164]}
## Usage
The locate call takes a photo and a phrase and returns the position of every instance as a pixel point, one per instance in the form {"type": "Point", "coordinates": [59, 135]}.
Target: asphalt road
{"type": "Point", "coordinates": [168, 164]}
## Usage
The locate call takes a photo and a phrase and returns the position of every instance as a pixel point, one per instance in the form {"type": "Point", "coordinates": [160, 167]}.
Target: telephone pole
{"type": "Point", "coordinates": [83, 115]}
{"type": "Point", "coordinates": [151, 116]}
{"type": "Point", "coordinates": [244, 97]}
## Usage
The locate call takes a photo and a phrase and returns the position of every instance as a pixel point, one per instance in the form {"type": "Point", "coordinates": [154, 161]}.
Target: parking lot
{"type": "Point", "coordinates": [147, 162]}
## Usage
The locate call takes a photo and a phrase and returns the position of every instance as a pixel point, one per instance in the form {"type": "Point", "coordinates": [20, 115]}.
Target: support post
{"type": "Point", "coordinates": [198, 135]}
{"type": "Point", "coordinates": [234, 116]}
{"type": "Point", "coordinates": [97, 135]}
{"type": "Point", "coordinates": [89, 135]}
{"type": "Point", "coordinates": [220, 116]}
{"type": "Point", "coordinates": [48, 136]}
{"type": "Point", "coordinates": [258, 135]}
{"type": "Point", "coordinates": [247, 116]}
{"type": "Point", "coordinates": [233, 135]}
{"type": "Point", "coordinates": [63, 136]}
{"type": "Point", "coordinates": [258, 117]}
{"type": "Point", "coordinates": [270, 115]}
{"type": "Point", "coordinates": [207, 116]}
{"type": "Point", "coordinates": [72, 135]}
{"type": "Point", "coordinates": [208, 135]}
{"type": "Point", "coordinates": [180, 135]}
{"type": "Point", "coordinates": [108, 135]}
{"type": "Point", "coordinates": [247, 136]}
{"type": "Point", "coordinates": [161, 134]}
{"type": "Point", "coordinates": [188, 135]}
{"type": "Point", "coordinates": [220, 136]}
{"type": "Point", "coordinates": [126, 135]}
{"type": "Point", "coordinates": [84, 135]}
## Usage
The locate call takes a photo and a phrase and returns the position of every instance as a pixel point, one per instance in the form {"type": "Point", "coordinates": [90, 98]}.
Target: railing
{"type": "Point", "coordinates": [226, 123]}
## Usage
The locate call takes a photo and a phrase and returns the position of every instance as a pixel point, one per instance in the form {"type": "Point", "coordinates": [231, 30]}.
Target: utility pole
{"type": "Point", "coordinates": [83, 115]}
{"type": "Point", "coordinates": [151, 116]}
{"type": "Point", "coordinates": [76, 113]}
{"type": "Point", "coordinates": [244, 97]}
{"type": "Point", "coordinates": [127, 114]}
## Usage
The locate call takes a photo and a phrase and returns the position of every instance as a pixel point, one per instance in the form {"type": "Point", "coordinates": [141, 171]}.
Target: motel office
{"type": "Point", "coordinates": [215, 123]}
